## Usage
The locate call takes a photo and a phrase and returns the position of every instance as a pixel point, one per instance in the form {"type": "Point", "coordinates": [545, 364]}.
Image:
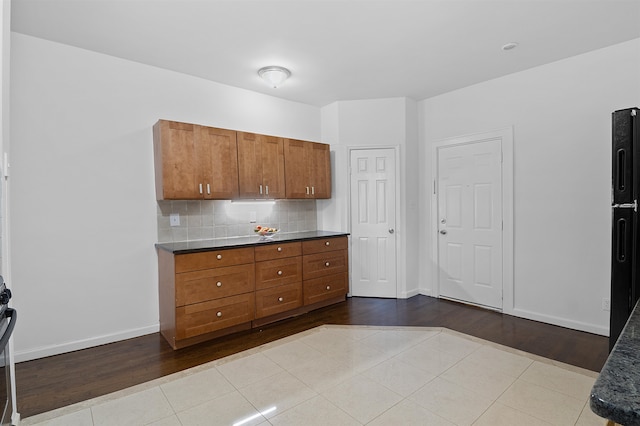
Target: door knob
{"type": "Point", "coordinates": [391, 230]}
{"type": "Point", "coordinates": [443, 232]}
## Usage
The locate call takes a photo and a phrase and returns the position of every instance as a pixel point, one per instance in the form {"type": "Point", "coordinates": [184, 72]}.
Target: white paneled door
{"type": "Point", "coordinates": [373, 221]}
{"type": "Point", "coordinates": [469, 197]}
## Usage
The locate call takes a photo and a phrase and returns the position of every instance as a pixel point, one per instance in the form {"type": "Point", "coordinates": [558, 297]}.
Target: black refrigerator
{"type": "Point", "coordinates": [625, 247]}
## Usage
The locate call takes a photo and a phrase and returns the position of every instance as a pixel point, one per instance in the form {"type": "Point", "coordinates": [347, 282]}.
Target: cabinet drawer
{"type": "Point", "coordinates": [320, 289]}
{"type": "Point", "coordinates": [325, 244]}
{"type": "Point", "coordinates": [208, 284]}
{"type": "Point", "coordinates": [324, 264]}
{"type": "Point", "coordinates": [278, 272]}
{"type": "Point", "coordinates": [200, 318]}
{"type": "Point", "coordinates": [213, 259]}
{"type": "Point", "coordinates": [278, 299]}
{"type": "Point", "coordinates": [278, 251]}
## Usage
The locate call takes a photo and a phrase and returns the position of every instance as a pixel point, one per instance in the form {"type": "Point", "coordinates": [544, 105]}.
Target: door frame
{"type": "Point", "coordinates": [506, 137]}
{"type": "Point", "coordinates": [398, 210]}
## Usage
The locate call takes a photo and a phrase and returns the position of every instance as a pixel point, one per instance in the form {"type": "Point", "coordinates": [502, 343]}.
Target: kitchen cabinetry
{"type": "Point", "coordinates": [203, 295]}
{"type": "Point", "coordinates": [325, 267]}
{"type": "Point", "coordinates": [210, 293]}
{"type": "Point", "coordinates": [194, 162]}
{"type": "Point", "coordinates": [307, 169]}
{"type": "Point", "coordinates": [278, 278]}
{"type": "Point", "coordinates": [260, 166]}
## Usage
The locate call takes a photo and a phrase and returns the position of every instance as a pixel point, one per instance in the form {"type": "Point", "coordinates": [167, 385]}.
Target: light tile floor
{"type": "Point", "coordinates": [354, 375]}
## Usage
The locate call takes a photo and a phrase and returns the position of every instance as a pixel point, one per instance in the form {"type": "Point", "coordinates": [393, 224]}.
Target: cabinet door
{"type": "Point", "coordinates": [272, 160]}
{"type": "Point", "coordinates": [206, 317]}
{"type": "Point", "coordinates": [324, 288]}
{"type": "Point", "coordinates": [296, 162]}
{"type": "Point", "coordinates": [278, 299]}
{"type": "Point", "coordinates": [209, 284]}
{"type": "Point", "coordinates": [249, 165]}
{"type": "Point", "coordinates": [276, 272]}
{"type": "Point", "coordinates": [320, 170]}
{"type": "Point", "coordinates": [217, 155]}
{"type": "Point", "coordinates": [175, 156]}
{"type": "Point", "coordinates": [324, 264]}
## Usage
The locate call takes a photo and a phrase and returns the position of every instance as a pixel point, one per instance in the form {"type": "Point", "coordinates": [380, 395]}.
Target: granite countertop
{"type": "Point", "coordinates": [616, 393]}
{"type": "Point", "coordinates": [184, 247]}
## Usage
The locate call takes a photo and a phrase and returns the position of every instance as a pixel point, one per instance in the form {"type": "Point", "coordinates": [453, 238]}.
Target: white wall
{"type": "Point", "coordinates": [561, 115]}
{"type": "Point", "coordinates": [84, 210]}
{"type": "Point", "coordinates": [369, 123]}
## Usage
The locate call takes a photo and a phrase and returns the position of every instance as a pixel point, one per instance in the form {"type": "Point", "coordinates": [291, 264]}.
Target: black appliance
{"type": "Point", "coordinates": [625, 259]}
{"type": "Point", "coordinates": [8, 317]}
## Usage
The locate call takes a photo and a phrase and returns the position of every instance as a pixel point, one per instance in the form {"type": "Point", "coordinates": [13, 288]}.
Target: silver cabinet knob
{"type": "Point", "coordinates": [391, 230]}
{"type": "Point", "coordinates": [219, 314]}
{"type": "Point", "coordinates": [326, 264]}
{"type": "Point", "coordinates": [443, 231]}
{"type": "Point", "coordinates": [219, 284]}
{"type": "Point", "coordinates": [219, 257]}
{"type": "Point", "coordinates": [279, 272]}
{"type": "Point", "coordinates": [280, 299]}
{"type": "Point", "coordinates": [327, 243]}
{"type": "Point", "coordinates": [279, 248]}
{"type": "Point", "coordinates": [328, 287]}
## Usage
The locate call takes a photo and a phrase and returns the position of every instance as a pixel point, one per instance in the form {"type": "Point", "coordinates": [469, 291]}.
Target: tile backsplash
{"type": "Point", "coordinates": [206, 219]}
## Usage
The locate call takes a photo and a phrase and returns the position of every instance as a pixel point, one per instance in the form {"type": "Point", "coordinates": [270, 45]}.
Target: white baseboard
{"type": "Point", "coordinates": [425, 292]}
{"type": "Point", "coordinates": [45, 351]}
{"type": "Point", "coordinates": [562, 322]}
{"type": "Point", "coordinates": [408, 294]}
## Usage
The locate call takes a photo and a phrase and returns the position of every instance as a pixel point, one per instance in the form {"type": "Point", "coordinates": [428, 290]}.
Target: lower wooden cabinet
{"type": "Point", "coordinates": [208, 294]}
{"type": "Point", "coordinates": [206, 317]}
{"type": "Point", "coordinates": [323, 288]}
{"type": "Point", "coordinates": [276, 300]}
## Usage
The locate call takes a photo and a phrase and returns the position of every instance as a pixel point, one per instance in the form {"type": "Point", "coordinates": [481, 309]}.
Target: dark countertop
{"type": "Point", "coordinates": [616, 393]}
{"type": "Point", "coordinates": [184, 247]}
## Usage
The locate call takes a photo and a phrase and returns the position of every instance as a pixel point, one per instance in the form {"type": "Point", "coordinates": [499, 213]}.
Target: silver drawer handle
{"type": "Point", "coordinates": [279, 248]}
{"type": "Point", "coordinates": [279, 272]}
{"type": "Point", "coordinates": [280, 299]}
{"type": "Point", "coordinates": [219, 284]}
{"type": "Point", "coordinates": [327, 243]}
{"type": "Point", "coordinates": [219, 257]}
{"type": "Point", "coordinates": [328, 287]}
{"type": "Point", "coordinates": [326, 264]}
{"type": "Point", "coordinates": [219, 314]}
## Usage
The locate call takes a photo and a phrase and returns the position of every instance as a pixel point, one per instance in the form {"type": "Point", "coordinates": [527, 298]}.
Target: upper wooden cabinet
{"type": "Point", "coordinates": [260, 166]}
{"type": "Point", "coordinates": [307, 169]}
{"type": "Point", "coordinates": [194, 162]}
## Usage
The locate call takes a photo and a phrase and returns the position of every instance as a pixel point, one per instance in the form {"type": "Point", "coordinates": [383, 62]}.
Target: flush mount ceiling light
{"type": "Point", "coordinates": [510, 46]}
{"type": "Point", "coordinates": [274, 75]}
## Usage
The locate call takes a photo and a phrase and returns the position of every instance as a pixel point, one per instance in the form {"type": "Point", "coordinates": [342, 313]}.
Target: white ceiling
{"type": "Point", "coordinates": [336, 50]}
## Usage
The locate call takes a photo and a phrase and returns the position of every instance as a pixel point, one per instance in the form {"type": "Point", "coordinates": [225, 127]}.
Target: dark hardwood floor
{"type": "Point", "coordinates": [56, 381]}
